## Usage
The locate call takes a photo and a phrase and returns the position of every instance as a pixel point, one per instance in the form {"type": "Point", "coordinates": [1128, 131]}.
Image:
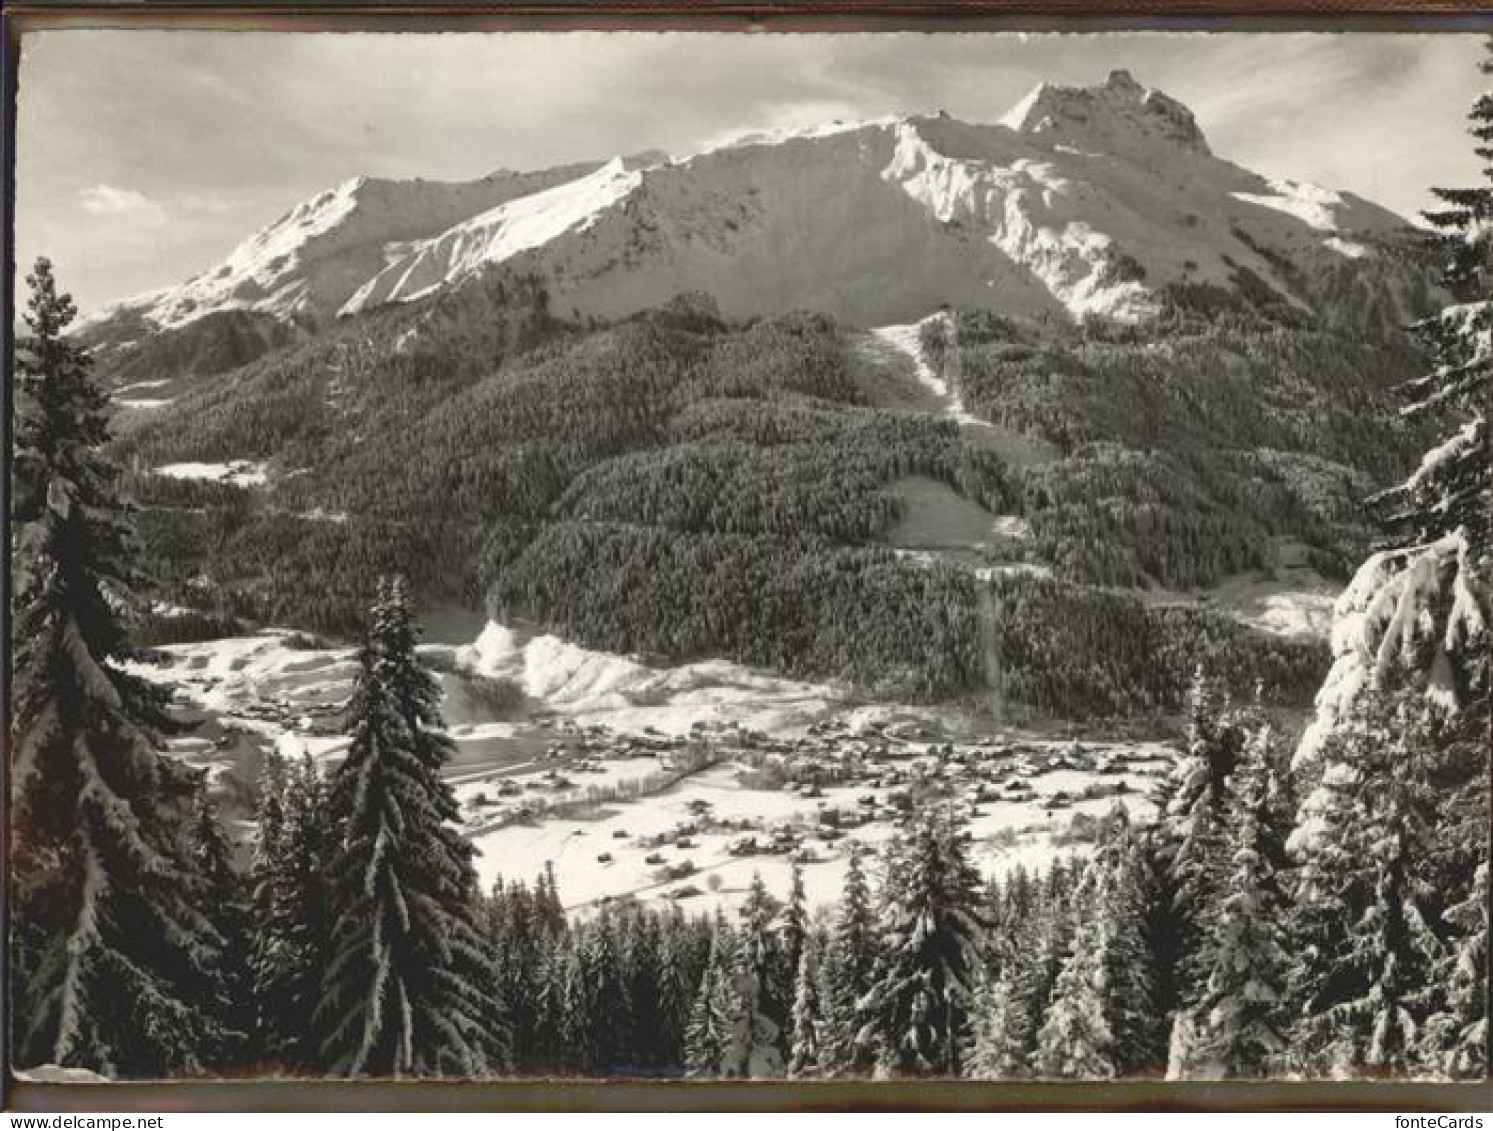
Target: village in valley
{"type": "Point", "coordinates": [627, 793]}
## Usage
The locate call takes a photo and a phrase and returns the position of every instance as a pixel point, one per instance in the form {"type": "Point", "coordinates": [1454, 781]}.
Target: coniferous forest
{"type": "Point", "coordinates": [1302, 892]}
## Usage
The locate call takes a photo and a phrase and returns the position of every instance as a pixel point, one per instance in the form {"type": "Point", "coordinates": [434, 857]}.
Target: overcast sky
{"type": "Point", "coordinates": [144, 157]}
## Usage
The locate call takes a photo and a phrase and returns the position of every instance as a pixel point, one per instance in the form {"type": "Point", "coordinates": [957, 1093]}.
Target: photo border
{"type": "Point", "coordinates": [723, 17]}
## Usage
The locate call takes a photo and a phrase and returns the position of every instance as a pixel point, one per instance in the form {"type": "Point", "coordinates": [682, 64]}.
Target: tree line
{"type": "Point", "coordinates": [1195, 947]}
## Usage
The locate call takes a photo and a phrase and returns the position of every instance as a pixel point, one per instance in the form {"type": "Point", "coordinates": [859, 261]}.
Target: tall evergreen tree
{"type": "Point", "coordinates": [609, 996]}
{"type": "Point", "coordinates": [793, 933]}
{"type": "Point", "coordinates": [1123, 898]}
{"type": "Point", "coordinates": [916, 1013]}
{"type": "Point", "coordinates": [1456, 1036]}
{"type": "Point", "coordinates": [509, 922]}
{"type": "Point", "coordinates": [710, 1034]}
{"type": "Point", "coordinates": [1052, 929]}
{"type": "Point", "coordinates": [808, 1012]}
{"type": "Point", "coordinates": [449, 881]}
{"type": "Point", "coordinates": [1451, 493]}
{"type": "Point", "coordinates": [1001, 1048]}
{"type": "Point", "coordinates": [1369, 951]}
{"type": "Point", "coordinates": [1241, 1022]}
{"type": "Point", "coordinates": [225, 901]}
{"type": "Point", "coordinates": [1196, 824]}
{"type": "Point", "coordinates": [575, 1011]}
{"type": "Point", "coordinates": [1383, 844]}
{"type": "Point", "coordinates": [678, 978]}
{"type": "Point", "coordinates": [111, 954]}
{"type": "Point", "coordinates": [849, 958]}
{"type": "Point", "coordinates": [641, 974]}
{"type": "Point", "coordinates": [408, 986]}
{"type": "Point", "coordinates": [1101, 1019]}
{"type": "Point", "coordinates": [551, 911]}
{"type": "Point", "coordinates": [290, 947]}
{"type": "Point", "coordinates": [756, 1048]}
{"type": "Point", "coordinates": [1075, 1039]}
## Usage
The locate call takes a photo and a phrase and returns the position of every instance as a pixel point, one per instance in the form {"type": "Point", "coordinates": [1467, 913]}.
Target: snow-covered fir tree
{"type": "Point", "coordinates": [710, 1035]}
{"type": "Point", "coordinates": [1101, 1017]}
{"type": "Point", "coordinates": [915, 1015]}
{"type": "Point", "coordinates": [755, 1046]}
{"type": "Point", "coordinates": [112, 958]}
{"type": "Point", "coordinates": [1240, 1023]}
{"type": "Point", "coordinates": [1456, 1035]}
{"type": "Point", "coordinates": [291, 900]}
{"type": "Point", "coordinates": [550, 910]}
{"type": "Point", "coordinates": [1368, 947]}
{"type": "Point", "coordinates": [269, 823]}
{"type": "Point", "coordinates": [573, 1012]}
{"type": "Point", "coordinates": [1040, 944]}
{"type": "Point", "coordinates": [808, 1011]}
{"type": "Point", "coordinates": [408, 988]}
{"type": "Point", "coordinates": [793, 931]}
{"type": "Point", "coordinates": [1123, 899]}
{"type": "Point", "coordinates": [1194, 831]}
{"type": "Point", "coordinates": [639, 966]}
{"type": "Point", "coordinates": [1002, 1025]}
{"type": "Point", "coordinates": [1398, 744]}
{"type": "Point", "coordinates": [849, 958]}
{"type": "Point", "coordinates": [1450, 495]}
{"type": "Point", "coordinates": [608, 994]}
{"type": "Point", "coordinates": [1075, 1039]}
{"type": "Point", "coordinates": [1417, 613]}
{"type": "Point", "coordinates": [224, 899]}
{"type": "Point", "coordinates": [678, 979]}
{"type": "Point", "coordinates": [519, 939]}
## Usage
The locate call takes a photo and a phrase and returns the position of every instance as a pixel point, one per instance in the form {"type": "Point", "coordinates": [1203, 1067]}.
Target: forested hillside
{"type": "Point", "coordinates": [681, 486]}
{"type": "Point", "coordinates": [1187, 446]}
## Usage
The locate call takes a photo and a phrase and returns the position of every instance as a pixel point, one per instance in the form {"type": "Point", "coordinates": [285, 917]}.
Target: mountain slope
{"type": "Point", "coordinates": [1158, 374]}
{"type": "Point", "coordinates": [290, 278]}
{"type": "Point", "coordinates": [1084, 201]}
{"type": "Point", "coordinates": [1099, 201]}
{"type": "Point", "coordinates": [684, 488]}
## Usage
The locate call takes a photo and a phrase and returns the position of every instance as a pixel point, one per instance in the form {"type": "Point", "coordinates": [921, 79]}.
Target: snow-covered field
{"type": "Point", "coordinates": [1292, 603]}
{"type": "Point", "coordinates": [700, 842]}
{"type": "Point", "coordinates": [905, 380]}
{"type": "Point", "coordinates": [238, 472]}
{"type": "Point", "coordinates": [649, 782]}
{"type": "Point", "coordinates": [625, 694]}
{"type": "Point", "coordinates": [908, 340]}
{"type": "Point", "coordinates": [142, 404]}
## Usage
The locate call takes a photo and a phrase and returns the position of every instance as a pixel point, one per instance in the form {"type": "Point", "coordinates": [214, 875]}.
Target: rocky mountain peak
{"type": "Point", "coordinates": [1109, 117]}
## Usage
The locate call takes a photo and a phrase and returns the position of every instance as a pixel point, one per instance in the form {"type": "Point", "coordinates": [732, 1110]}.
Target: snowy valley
{"type": "Point", "coordinates": [1099, 203]}
{"type": "Point", "coordinates": [639, 783]}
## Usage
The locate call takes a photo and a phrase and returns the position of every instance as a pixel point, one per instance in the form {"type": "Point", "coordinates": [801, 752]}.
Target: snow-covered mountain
{"type": "Point", "coordinates": [1080, 201]}
{"type": "Point", "coordinates": [306, 264]}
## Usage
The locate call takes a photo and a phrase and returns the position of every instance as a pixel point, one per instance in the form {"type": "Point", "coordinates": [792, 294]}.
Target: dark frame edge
{"type": "Point", "coordinates": [733, 16]}
{"type": "Point", "coordinates": [805, 1096]}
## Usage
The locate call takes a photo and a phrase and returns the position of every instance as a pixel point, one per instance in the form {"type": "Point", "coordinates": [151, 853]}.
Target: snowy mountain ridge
{"type": "Point", "coordinates": [302, 267]}
{"type": "Point", "coordinates": [1080, 201]}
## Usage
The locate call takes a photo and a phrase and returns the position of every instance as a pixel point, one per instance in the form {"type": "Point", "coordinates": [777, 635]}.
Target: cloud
{"type": "Point", "coordinates": [121, 204]}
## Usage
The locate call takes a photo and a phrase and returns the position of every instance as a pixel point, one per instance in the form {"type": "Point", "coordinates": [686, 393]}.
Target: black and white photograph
{"type": "Point", "coordinates": [641, 555]}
